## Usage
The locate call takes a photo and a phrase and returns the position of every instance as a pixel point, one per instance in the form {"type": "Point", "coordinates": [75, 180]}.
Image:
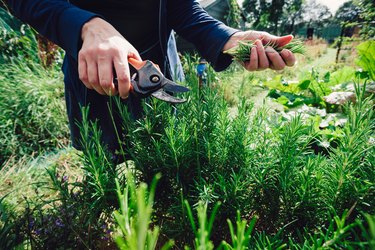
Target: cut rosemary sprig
{"type": "Point", "coordinates": [242, 51]}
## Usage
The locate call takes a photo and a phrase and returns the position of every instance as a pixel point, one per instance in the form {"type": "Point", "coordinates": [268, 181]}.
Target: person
{"type": "Point", "coordinates": [99, 36]}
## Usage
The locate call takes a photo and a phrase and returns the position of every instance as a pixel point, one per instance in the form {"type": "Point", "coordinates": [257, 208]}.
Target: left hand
{"type": "Point", "coordinates": [262, 58]}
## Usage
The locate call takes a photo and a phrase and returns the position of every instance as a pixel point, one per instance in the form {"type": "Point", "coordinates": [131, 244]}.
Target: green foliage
{"type": "Point", "coordinates": [234, 14]}
{"type": "Point", "coordinates": [17, 40]}
{"type": "Point", "coordinates": [203, 232]}
{"type": "Point", "coordinates": [33, 111]}
{"type": "Point", "coordinates": [33, 116]}
{"type": "Point", "coordinates": [366, 60]}
{"type": "Point", "coordinates": [311, 89]}
{"type": "Point", "coordinates": [10, 236]}
{"type": "Point", "coordinates": [259, 164]}
{"type": "Point", "coordinates": [241, 235]}
{"type": "Point", "coordinates": [367, 16]}
{"type": "Point", "coordinates": [270, 15]}
{"type": "Point", "coordinates": [252, 161]}
{"type": "Point", "coordinates": [134, 217]}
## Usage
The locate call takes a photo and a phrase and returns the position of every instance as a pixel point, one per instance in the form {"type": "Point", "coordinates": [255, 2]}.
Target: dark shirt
{"type": "Point", "coordinates": [136, 20]}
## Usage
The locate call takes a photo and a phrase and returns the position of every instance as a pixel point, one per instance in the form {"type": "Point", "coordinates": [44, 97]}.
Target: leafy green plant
{"type": "Point", "coordinates": [240, 236]}
{"type": "Point", "coordinates": [134, 217]}
{"type": "Point", "coordinates": [203, 232]}
{"type": "Point", "coordinates": [33, 116]}
{"type": "Point", "coordinates": [350, 160]}
{"type": "Point", "coordinates": [252, 160]}
{"type": "Point", "coordinates": [17, 41]}
{"type": "Point", "coordinates": [10, 235]}
{"type": "Point", "coordinates": [340, 233]}
{"type": "Point", "coordinates": [366, 51]}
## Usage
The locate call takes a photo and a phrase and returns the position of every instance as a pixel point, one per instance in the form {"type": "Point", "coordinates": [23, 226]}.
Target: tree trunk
{"type": "Point", "coordinates": [339, 44]}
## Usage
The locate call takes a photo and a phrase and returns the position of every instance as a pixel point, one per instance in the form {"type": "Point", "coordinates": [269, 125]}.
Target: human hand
{"type": "Point", "coordinates": [262, 57]}
{"type": "Point", "coordinates": [103, 50]}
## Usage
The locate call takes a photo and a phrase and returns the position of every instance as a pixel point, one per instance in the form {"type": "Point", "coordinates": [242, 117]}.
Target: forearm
{"type": "Point", "coordinates": [209, 35]}
{"type": "Point", "coordinates": [58, 20]}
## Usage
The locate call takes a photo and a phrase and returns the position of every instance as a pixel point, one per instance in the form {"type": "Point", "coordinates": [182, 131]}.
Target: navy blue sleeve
{"type": "Point", "coordinates": [208, 35]}
{"type": "Point", "coordinates": [58, 20]}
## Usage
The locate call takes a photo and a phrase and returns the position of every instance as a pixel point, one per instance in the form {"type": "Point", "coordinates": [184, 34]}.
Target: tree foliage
{"type": "Point", "coordinates": [275, 16]}
{"type": "Point", "coordinates": [367, 16]}
{"type": "Point", "coordinates": [264, 14]}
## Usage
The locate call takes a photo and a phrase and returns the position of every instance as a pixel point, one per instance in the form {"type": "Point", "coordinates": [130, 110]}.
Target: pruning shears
{"type": "Point", "coordinates": [149, 81]}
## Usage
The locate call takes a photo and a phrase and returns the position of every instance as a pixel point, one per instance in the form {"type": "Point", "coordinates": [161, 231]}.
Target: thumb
{"type": "Point", "coordinates": [283, 40]}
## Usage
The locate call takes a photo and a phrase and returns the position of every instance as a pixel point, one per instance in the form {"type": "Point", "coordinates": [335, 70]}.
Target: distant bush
{"type": "Point", "coordinates": [17, 40]}
{"type": "Point", "coordinates": [33, 116]}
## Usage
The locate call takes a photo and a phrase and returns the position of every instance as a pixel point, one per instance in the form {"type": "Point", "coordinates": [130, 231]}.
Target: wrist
{"type": "Point", "coordinates": [89, 26]}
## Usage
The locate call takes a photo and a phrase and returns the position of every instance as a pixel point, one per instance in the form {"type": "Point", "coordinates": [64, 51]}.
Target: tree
{"type": "Point", "coordinates": [256, 13]}
{"type": "Point", "coordinates": [316, 14]}
{"type": "Point", "coordinates": [234, 17]}
{"type": "Point", "coordinates": [292, 14]}
{"type": "Point", "coordinates": [348, 15]}
{"type": "Point", "coordinates": [367, 18]}
{"type": "Point", "coordinates": [275, 16]}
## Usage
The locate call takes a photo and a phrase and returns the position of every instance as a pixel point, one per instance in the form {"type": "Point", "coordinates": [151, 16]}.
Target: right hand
{"type": "Point", "coordinates": [103, 50]}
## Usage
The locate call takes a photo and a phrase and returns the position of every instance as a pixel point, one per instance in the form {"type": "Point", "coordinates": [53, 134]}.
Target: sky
{"type": "Point", "coordinates": [333, 5]}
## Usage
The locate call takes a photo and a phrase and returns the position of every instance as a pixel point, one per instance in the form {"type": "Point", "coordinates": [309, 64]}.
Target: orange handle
{"type": "Point", "coordinates": [139, 64]}
{"type": "Point", "coordinates": [136, 63]}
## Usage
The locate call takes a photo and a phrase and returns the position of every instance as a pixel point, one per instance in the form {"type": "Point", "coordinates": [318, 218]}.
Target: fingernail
{"type": "Point", "coordinates": [285, 52]}
{"type": "Point", "coordinates": [269, 49]}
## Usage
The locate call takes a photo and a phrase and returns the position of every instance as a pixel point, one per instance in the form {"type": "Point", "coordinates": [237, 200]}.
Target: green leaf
{"type": "Point", "coordinates": [366, 52]}
{"type": "Point", "coordinates": [327, 77]}
{"type": "Point", "coordinates": [283, 100]}
{"type": "Point", "coordinates": [304, 84]}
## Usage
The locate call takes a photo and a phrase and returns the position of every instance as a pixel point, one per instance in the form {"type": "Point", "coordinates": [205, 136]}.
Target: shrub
{"type": "Point", "coordinates": [33, 116]}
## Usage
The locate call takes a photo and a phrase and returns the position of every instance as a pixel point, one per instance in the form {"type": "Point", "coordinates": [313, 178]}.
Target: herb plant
{"type": "Point", "coordinates": [242, 51]}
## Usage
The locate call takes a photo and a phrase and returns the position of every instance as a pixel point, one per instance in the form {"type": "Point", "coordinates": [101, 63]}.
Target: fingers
{"type": "Point", "coordinates": [123, 76]}
{"type": "Point", "coordinates": [253, 63]}
{"type": "Point", "coordinates": [263, 60]}
{"type": "Point", "coordinates": [88, 73]}
{"type": "Point", "coordinates": [93, 78]}
{"type": "Point", "coordinates": [82, 72]}
{"type": "Point", "coordinates": [103, 49]}
{"type": "Point", "coordinates": [288, 56]}
{"type": "Point", "coordinates": [275, 60]}
{"type": "Point", "coordinates": [105, 75]}
{"type": "Point", "coordinates": [284, 40]}
{"type": "Point", "coordinates": [96, 72]}
{"type": "Point", "coordinates": [263, 57]}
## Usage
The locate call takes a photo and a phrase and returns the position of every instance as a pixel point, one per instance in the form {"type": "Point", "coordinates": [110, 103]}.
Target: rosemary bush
{"type": "Point", "coordinates": [255, 162]}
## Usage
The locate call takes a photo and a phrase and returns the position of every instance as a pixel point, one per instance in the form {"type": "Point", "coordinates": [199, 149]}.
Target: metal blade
{"type": "Point", "coordinates": [174, 87]}
{"type": "Point", "coordinates": [161, 95]}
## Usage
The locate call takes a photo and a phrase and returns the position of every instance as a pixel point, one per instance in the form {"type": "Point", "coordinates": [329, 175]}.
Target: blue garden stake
{"type": "Point", "coordinates": [201, 72]}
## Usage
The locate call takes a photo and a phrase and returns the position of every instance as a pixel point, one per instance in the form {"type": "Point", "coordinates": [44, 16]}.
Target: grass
{"type": "Point", "coordinates": [33, 117]}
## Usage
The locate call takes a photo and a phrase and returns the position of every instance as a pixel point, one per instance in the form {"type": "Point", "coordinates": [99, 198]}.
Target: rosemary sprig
{"type": "Point", "coordinates": [242, 51]}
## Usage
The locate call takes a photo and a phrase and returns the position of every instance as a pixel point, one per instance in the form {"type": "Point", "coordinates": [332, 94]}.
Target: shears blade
{"type": "Point", "coordinates": [170, 86]}
{"type": "Point", "coordinates": [149, 80]}
{"type": "Point", "coordinates": [164, 96]}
